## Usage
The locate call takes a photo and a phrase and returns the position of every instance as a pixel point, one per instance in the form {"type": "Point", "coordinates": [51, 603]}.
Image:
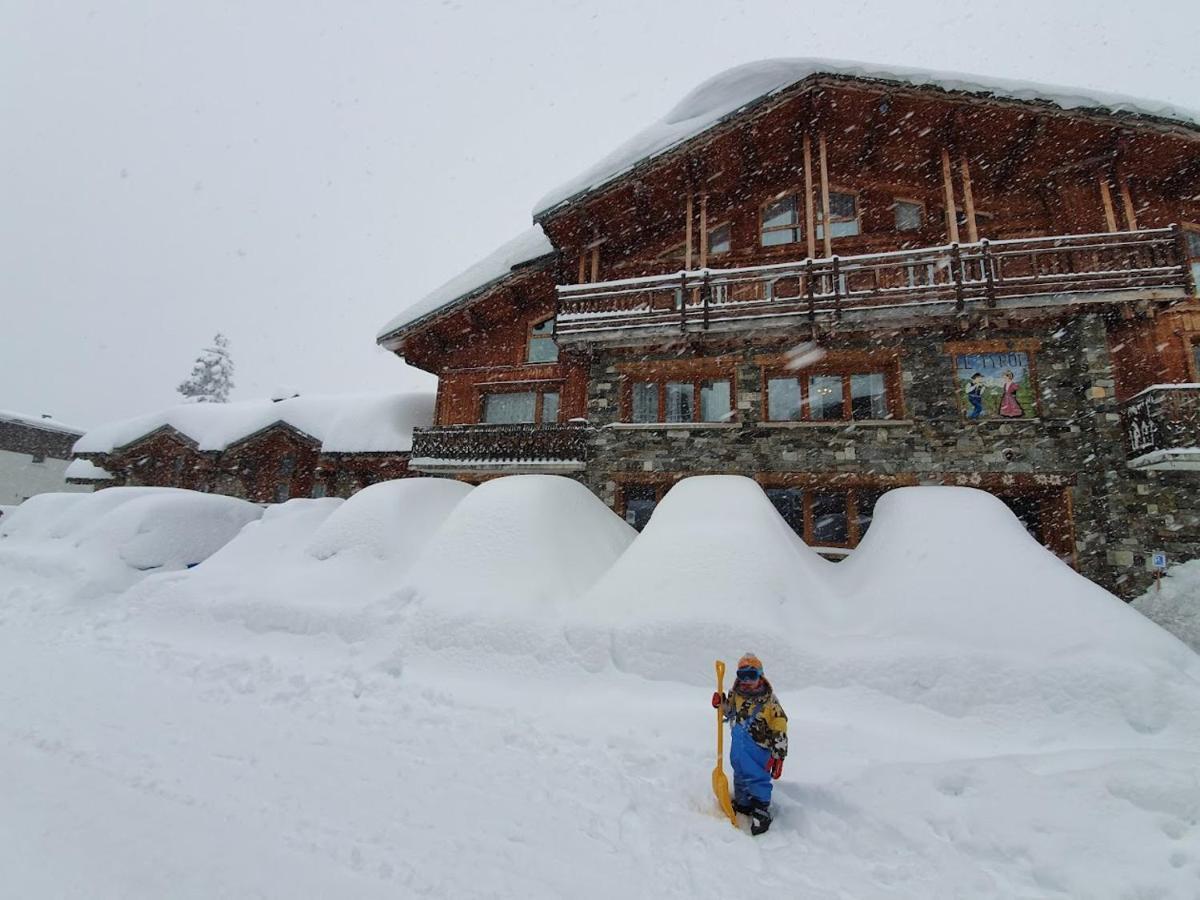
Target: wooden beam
{"type": "Point", "coordinates": [1127, 203]}
{"type": "Point", "coordinates": [687, 243]}
{"type": "Point", "coordinates": [948, 189]}
{"type": "Point", "coordinates": [968, 200]}
{"type": "Point", "coordinates": [703, 230]}
{"type": "Point", "coordinates": [1110, 216]}
{"type": "Point", "coordinates": [582, 267]}
{"type": "Point", "coordinates": [809, 214]}
{"type": "Point", "coordinates": [824, 158]}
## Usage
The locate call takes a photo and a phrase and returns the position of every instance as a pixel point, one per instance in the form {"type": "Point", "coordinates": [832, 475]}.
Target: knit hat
{"type": "Point", "coordinates": [749, 660]}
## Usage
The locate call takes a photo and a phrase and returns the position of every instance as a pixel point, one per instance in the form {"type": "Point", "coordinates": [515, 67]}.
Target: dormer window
{"type": "Point", "coordinates": [781, 221]}
{"type": "Point", "coordinates": [541, 347]}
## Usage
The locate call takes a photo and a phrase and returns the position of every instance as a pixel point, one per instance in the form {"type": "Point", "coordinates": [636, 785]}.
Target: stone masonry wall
{"type": "Point", "coordinates": [1120, 516]}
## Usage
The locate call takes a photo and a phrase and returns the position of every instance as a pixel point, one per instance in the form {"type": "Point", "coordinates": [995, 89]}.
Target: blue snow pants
{"type": "Point", "coordinates": [751, 780]}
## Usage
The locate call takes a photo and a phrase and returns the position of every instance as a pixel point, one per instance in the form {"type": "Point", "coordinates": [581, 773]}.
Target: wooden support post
{"type": "Point", "coordinates": [703, 231]}
{"type": "Point", "coordinates": [811, 290]}
{"type": "Point", "coordinates": [968, 201]}
{"type": "Point", "coordinates": [595, 264]}
{"type": "Point", "coordinates": [705, 293]}
{"type": "Point", "coordinates": [989, 276]}
{"type": "Point", "coordinates": [837, 284]}
{"type": "Point", "coordinates": [809, 215]}
{"type": "Point", "coordinates": [948, 187]}
{"type": "Point", "coordinates": [687, 243]}
{"type": "Point", "coordinates": [825, 196]}
{"type": "Point", "coordinates": [1110, 216]}
{"type": "Point", "coordinates": [956, 274]}
{"type": "Point", "coordinates": [1127, 202]}
{"type": "Point", "coordinates": [582, 266]}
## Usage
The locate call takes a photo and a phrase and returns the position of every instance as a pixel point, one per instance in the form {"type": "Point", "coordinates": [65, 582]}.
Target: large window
{"type": "Point", "coordinates": [675, 400]}
{"type": "Point", "coordinates": [520, 407]}
{"type": "Point", "coordinates": [827, 397]}
{"type": "Point", "coordinates": [542, 348]}
{"type": "Point", "coordinates": [826, 517]}
{"type": "Point", "coordinates": [781, 221]}
{"type": "Point", "coordinates": [843, 216]}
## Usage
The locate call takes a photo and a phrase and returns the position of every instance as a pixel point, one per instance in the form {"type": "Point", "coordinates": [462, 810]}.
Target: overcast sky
{"type": "Point", "coordinates": [295, 173]}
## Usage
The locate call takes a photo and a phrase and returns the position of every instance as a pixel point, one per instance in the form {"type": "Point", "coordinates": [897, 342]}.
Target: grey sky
{"type": "Point", "coordinates": [295, 173]}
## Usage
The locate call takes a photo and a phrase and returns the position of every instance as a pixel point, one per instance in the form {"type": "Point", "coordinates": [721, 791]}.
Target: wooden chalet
{"type": "Point", "coordinates": [837, 282]}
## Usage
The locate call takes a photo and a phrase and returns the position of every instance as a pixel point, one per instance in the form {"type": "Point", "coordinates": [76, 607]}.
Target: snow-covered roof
{"type": "Point", "coordinates": [38, 422]}
{"type": "Point", "coordinates": [86, 470]}
{"type": "Point", "coordinates": [526, 247]}
{"type": "Point", "coordinates": [343, 423]}
{"type": "Point", "coordinates": [731, 91]}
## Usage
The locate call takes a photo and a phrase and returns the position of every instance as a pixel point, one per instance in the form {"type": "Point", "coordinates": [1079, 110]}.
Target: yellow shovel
{"type": "Point", "coordinates": [720, 782]}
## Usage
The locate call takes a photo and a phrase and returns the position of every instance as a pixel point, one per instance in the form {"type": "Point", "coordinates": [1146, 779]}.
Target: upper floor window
{"type": "Point", "coordinates": [541, 347]}
{"type": "Point", "coordinates": [781, 221]}
{"type": "Point", "coordinates": [843, 216]}
{"type": "Point", "coordinates": [720, 240]}
{"type": "Point", "coordinates": [678, 400]}
{"type": "Point", "coordinates": [910, 215]}
{"type": "Point", "coordinates": [1191, 237]}
{"type": "Point", "coordinates": [520, 407]}
{"type": "Point", "coordinates": [825, 397]}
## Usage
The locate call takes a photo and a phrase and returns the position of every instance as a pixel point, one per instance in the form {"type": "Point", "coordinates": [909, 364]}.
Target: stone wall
{"type": "Point", "coordinates": [1074, 445]}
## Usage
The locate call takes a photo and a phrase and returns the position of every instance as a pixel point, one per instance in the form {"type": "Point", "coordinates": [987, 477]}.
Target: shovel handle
{"type": "Point", "coordinates": [720, 729]}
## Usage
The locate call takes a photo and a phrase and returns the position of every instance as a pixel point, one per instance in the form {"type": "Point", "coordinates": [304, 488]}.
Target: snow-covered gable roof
{"type": "Point", "coordinates": [37, 422]}
{"type": "Point", "coordinates": [530, 245]}
{"type": "Point", "coordinates": [85, 470]}
{"type": "Point", "coordinates": [732, 91]}
{"type": "Point", "coordinates": [342, 423]}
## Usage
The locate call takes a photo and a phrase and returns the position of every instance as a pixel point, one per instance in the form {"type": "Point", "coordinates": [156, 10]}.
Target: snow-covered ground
{"type": "Point", "coordinates": [437, 690]}
{"type": "Point", "coordinates": [1174, 603]}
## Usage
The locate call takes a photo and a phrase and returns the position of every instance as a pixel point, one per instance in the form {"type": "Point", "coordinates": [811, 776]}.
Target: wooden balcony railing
{"type": "Point", "coordinates": [1162, 427]}
{"type": "Point", "coordinates": [989, 272]}
{"type": "Point", "coordinates": [467, 446]}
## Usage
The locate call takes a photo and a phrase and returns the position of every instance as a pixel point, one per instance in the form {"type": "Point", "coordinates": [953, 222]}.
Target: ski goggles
{"type": "Point", "coordinates": [749, 673]}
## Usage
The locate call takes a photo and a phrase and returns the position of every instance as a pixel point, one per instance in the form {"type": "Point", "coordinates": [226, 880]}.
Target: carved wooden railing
{"type": "Point", "coordinates": [987, 272]}
{"type": "Point", "coordinates": [450, 444]}
{"type": "Point", "coordinates": [1164, 417]}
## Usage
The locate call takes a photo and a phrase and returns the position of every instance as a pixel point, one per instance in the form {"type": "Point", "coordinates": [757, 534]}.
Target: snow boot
{"type": "Point", "coordinates": [760, 818]}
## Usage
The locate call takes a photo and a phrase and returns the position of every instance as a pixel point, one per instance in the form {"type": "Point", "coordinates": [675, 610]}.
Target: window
{"type": "Point", "coordinates": [781, 222]}
{"type": "Point", "coordinates": [825, 516]}
{"type": "Point", "coordinates": [675, 400]}
{"type": "Point", "coordinates": [36, 457]}
{"type": "Point", "coordinates": [910, 216]}
{"type": "Point", "coordinates": [542, 348]}
{"type": "Point", "coordinates": [1192, 241]}
{"type": "Point", "coordinates": [783, 400]}
{"type": "Point", "coordinates": [287, 463]}
{"type": "Point", "coordinates": [828, 397]}
{"type": "Point", "coordinates": [719, 240]}
{"type": "Point", "coordinates": [549, 407]}
{"type": "Point", "coordinates": [318, 490]}
{"type": "Point", "coordinates": [843, 216]}
{"type": "Point", "coordinates": [640, 500]}
{"type": "Point", "coordinates": [520, 407]}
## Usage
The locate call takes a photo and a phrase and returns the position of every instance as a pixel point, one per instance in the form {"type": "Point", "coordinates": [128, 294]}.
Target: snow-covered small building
{"type": "Point", "coordinates": [839, 279]}
{"type": "Point", "coordinates": [35, 452]}
{"type": "Point", "coordinates": [262, 450]}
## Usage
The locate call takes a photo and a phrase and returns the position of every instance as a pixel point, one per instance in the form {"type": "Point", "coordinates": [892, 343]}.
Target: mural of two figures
{"type": "Point", "coordinates": [995, 385]}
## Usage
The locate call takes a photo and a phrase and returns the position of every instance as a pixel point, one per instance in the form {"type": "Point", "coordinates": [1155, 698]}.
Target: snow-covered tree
{"type": "Point", "coordinates": [212, 375]}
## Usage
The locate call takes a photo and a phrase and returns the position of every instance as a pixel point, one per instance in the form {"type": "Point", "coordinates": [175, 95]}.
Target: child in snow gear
{"type": "Point", "coordinates": [758, 742]}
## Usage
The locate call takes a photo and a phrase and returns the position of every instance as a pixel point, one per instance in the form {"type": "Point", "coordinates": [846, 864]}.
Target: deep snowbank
{"type": "Point", "coordinates": [1176, 605]}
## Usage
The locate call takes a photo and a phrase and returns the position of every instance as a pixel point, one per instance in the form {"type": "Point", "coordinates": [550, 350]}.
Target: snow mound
{"type": "Point", "coordinates": [391, 520]}
{"type": "Point", "coordinates": [526, 247]}
{"type": "Point", "coordinates": [1176, 607]}
{"type": "Point", "coordinates": [716, 568]}
{"type": "Point", "coordinates": [35, 517]}
{"type": "Point", "coordinates": [734, 89]}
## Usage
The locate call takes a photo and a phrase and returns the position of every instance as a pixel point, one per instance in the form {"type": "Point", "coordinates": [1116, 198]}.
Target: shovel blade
{"type": "Point", "coordinates": [720, 786]}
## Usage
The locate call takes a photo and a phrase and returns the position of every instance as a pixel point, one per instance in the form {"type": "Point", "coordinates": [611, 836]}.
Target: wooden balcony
{"type": "Point", "coordinates": [501, 448]}
{"type": "Point", "coordinates": [1084, 268]}
{"type": "Point", "coordinates": [1162, 427]}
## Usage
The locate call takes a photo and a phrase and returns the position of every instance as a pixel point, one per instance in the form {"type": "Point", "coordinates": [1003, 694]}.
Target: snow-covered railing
{"type": "Point", "coordinates": [952, 276]}
{"type": "Point", "coordinates": [525, 443]}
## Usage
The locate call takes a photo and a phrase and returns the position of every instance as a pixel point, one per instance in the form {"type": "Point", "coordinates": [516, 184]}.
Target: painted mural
{"type": "Point", "coordinates": [995, 385]}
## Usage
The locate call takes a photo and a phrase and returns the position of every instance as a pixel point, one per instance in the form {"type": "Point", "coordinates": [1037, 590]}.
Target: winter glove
{"type": "Point", "coordinates": [718, 699]}
{"type": "Point", "coordinates": [775, 767]}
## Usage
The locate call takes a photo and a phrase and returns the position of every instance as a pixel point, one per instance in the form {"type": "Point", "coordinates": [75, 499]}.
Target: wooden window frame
{"type": "Point", "coordinates": [887, 365]}
{"type": "Point", "coordinates": [660, 485]}
{"type": "Point", "coordinates": [819, 223]}
{"type": "Point", "coordinates": [529, 339]}
{"type": "Point", "coordinates": [797, 195]}
{"type": "Point", "coordinates": [855, 494]}
{"type": "Point", "coordinates": [896, 201]}
{"type": "Point", "coordinates": [520, 387]}
{"type": "Point", "coordinates": [708, 239]}
{"type": "Point", "coordinates": [695, 372]}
